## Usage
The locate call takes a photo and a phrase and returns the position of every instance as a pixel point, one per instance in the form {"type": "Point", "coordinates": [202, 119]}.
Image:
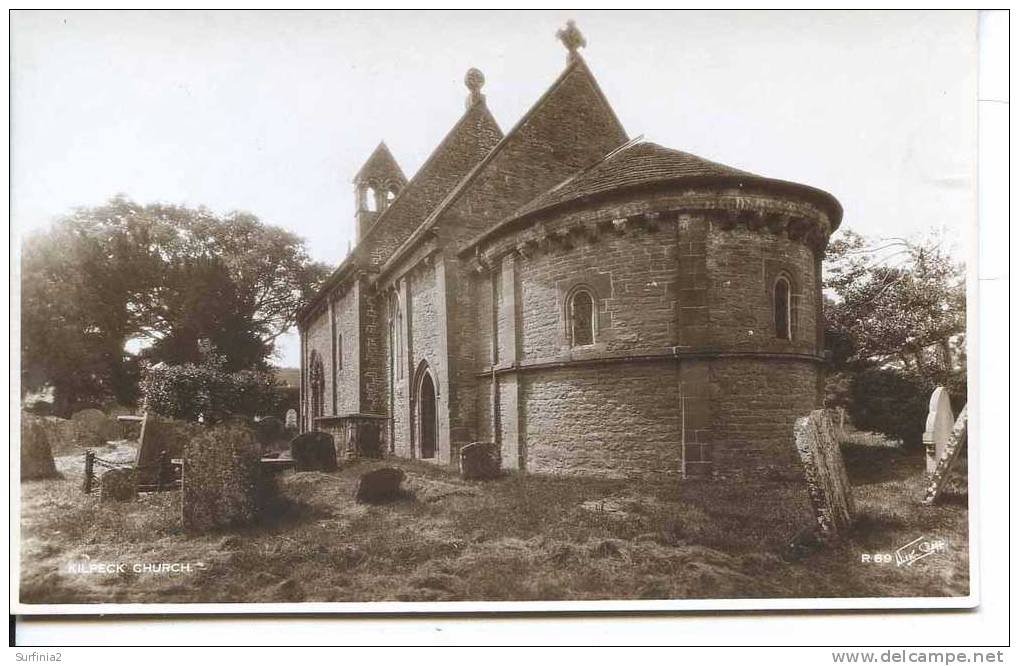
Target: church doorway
{"type": "Point", "coordinates": [426, 416]}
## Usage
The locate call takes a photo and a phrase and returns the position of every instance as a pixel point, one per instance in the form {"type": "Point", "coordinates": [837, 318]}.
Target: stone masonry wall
{"type": "Point", "coordinates": [611, 421]}
{"type": "Point", "coordinates": [632, 277]}
{"type": "Point", "coordinates": [755, 403]}
{"type": "Point", "coordinates": [743, 265]}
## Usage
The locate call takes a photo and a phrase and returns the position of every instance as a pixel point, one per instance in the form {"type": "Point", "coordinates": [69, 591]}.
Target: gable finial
{"type": "Point", "coordinates": [572, 39]}
{"type": "Point", "coordinates": [474, 79]}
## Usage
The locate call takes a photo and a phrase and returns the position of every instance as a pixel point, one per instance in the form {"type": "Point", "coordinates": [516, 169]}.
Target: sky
{"type": "Point", "coordinates": [274, 112]}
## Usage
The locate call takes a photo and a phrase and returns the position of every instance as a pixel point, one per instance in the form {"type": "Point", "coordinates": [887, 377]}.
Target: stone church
{"type": "Point", "coordinates": [593, 304]}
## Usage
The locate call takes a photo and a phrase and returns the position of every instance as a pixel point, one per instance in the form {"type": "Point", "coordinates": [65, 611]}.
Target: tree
{"type": "Point", "coordinates": [171, 276]}
{"type": "Point", "coordinates": [895, 326]}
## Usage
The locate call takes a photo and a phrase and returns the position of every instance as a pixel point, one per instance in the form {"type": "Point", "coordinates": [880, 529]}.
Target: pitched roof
{"type": "Point", "coordinates": [643, 163]}
{"type": "Point", "coordinates": [380, 165]}
{"type": "Point", "coordinates": [576, 66]}
{"type": "Point", "coordinates": [469, 140]}
{"type": "Point", "coordinates": [632, 164]}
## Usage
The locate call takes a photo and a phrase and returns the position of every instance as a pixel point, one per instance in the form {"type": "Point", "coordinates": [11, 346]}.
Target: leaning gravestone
{"type": "Point", "coordinates": [118, 485]}
{"type": "Point", "coordinates": [313, 451]}
{"type": "Point", "coordinates": [938, 432]}
{"type": "Point", "coordinates": [291, 419]}
{"type": "Point", "coordinates": [956, 442]}
{"type": "Point", "coordinates": [379, 485]}
{"type": "Point", "coordinates": [220, 485]}
{"type": "Point", "coordinates": [825, 473]}
{"type": "Point", "coordinates": [479, 460]}
{"type": "Point", "coordinates": [36, 452]}
{"type": "Point", "coordinates": [92, 428]}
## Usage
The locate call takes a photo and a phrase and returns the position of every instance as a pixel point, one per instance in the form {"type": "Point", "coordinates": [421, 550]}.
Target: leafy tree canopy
{"type": "Point", "coordinates": [169, 276]}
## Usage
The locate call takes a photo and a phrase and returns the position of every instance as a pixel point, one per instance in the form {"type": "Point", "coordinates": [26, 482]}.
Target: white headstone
{"type": "Point", "coordinates": [939, 427]}
{"type": "Point", "coordinates": [291, 419]}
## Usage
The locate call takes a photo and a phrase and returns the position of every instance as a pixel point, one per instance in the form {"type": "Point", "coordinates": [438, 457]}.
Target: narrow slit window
{"type": "Point", "coordinates": [581, 318]}
{"type": "Point", "coordinates": [783, 312]}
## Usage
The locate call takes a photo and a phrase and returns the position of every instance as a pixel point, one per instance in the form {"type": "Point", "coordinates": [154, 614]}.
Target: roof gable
{"type": "Point", "coordinates": [380, 166]}
{"type": "Point", "coordinates": [466, 144]}
{"type": "Point", "coordinates": [569, 128]}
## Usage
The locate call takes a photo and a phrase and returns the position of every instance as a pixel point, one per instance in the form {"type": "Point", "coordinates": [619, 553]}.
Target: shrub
{"type": "Point", "coordinates": [890, 402]}
{"type": "Point", "coordinates": [187, 391]}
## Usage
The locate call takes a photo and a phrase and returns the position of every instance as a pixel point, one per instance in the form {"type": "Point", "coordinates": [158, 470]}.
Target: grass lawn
{"type": "Point", "coordinates": [522, 537]}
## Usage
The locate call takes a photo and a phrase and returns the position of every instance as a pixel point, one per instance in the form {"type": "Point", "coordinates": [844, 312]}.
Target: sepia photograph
{"type": "Point", "coordinates": [448, 311]}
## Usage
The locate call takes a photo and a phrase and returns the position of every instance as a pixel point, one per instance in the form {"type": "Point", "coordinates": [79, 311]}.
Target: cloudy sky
{"type": "Point", "coordinates": [273, 112]}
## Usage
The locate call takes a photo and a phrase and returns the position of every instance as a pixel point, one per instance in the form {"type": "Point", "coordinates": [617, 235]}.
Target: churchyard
{"type": "Point", "coordinates": [443, 537]}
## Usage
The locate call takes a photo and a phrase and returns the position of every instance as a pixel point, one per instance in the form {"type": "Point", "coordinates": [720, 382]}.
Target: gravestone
{"type": "Point", "coordinates": [93, 429]}
{"type": "Point", "coordinates": [221, 484]}
{"type": "Point", "coordinates": [313, 452]}
{"type": "Point", "coordinates": [269, 433]}
{"type": "Point", "coordinates": [36, 452]}
{"type": "Point", "coordinates": [938, 431]}
{"type": "Point", "coordinates": [956, 442]}
{"type": "Point", "coordinates": [379, 485]}
{"type": "Point", "coordinates": [160, 441]}
{"type": "Point", "coordinates": [118, 485]}
{"type": "Point", "coordinates": [291, 419]}
{"type": "Point", "coordinates": [825, 473]}
{"type": "Point", "coordinates": [479, 460]}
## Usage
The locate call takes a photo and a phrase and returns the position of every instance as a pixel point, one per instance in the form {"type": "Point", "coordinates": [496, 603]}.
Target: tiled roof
{"type": "Point", "coordinates": [380, 165]}
{"type": "Point", "coordinates": [634, 164]}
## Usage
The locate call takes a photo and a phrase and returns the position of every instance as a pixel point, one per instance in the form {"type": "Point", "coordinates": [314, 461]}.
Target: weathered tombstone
{"type": "Point", "coordinates": [161, 440]}
{"type": "Point", "coordinates": [938, 431]}
{"type": "Point", "coordinates": [479, 460]}
{"type": "Point", "coordinates": [379, 485]}
{"type": "Point", "coordinates": [118, 485]}
{"type": "Point", "coordinates": [221, 484]}
{"type": "Point", "coordinates": [36, 452]}
{"type": "Point", "coordinates": [268, 432]}
{"type": "Point", "coordinates": [60, 432]}
{"type": "Point", "coordinates": [291, 419]}
{"type": "Point", "coordinates": [92, 428]}
{"type": "Point", "coordinates": [956, 442]}
{"type": "Point", "coordinates": [313, 451]}
{"type": "Point", "coordinates": [825, 473]}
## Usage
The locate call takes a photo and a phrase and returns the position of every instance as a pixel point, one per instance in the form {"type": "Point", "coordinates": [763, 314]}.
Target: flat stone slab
{"type": "Point", "coordinates": [825, 473]}
{"type": "Point", "coordinates": [379, 485]}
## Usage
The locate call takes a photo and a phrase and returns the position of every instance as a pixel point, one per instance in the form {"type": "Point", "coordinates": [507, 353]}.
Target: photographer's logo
{"type": "Point", "coordinates": [917, 549]}
{"type": "Point", "coordinates": [86, 565]}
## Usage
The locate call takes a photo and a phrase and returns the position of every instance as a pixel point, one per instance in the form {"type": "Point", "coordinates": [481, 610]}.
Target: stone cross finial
{"type": "Point", "coordinates": [474, 79]}
{"type": "Point", "coordinates": [572, 39]}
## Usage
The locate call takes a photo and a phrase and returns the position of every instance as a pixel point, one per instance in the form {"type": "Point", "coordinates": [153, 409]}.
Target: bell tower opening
{"type": "Point", "coordinates": [376, 185]}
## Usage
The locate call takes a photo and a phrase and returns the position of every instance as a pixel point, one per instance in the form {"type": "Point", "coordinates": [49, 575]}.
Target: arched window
{"type": "Point", "coordinates": [580, 317]}
{"type": "Point", "coordinates": [317, 381]}
{"type": "Point", "coordinates": [783, 309]}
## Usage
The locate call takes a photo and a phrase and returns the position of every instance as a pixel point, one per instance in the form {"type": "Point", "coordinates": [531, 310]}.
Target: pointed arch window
{"type": "Point", "coordinates": [781, 301]}
{"type": "Point", "coordinates": [580, 317]}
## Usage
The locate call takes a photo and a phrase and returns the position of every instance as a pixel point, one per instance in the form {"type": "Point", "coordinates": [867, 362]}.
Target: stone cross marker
{"type": "Point", "coordinates": [956, 442]}
{"type": "Point", "coordinates": [291, 418]}
{"type": "Point", "coordinates": [827, 481]}
{"type": "Point", "coordinates": [938, 432]}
